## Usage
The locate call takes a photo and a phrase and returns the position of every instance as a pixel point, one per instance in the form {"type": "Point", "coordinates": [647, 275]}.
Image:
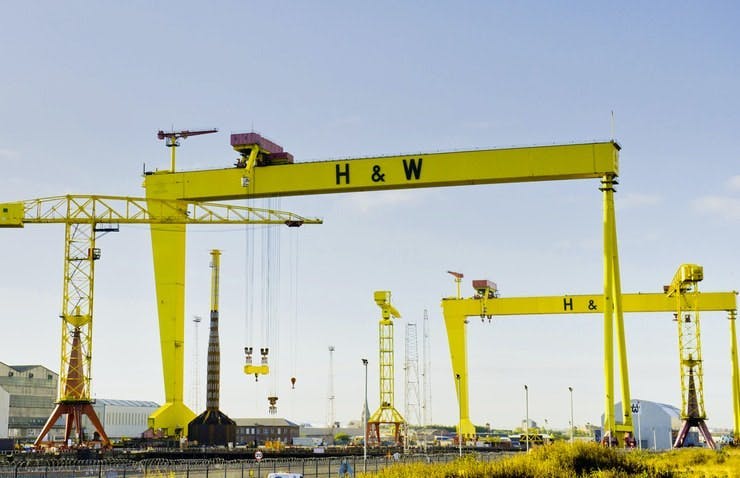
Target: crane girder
{"type": "Point", "coordinates": [585, 304]}
{"type": "Point", "coordinates": [525, 164]}
{"type": "Point", "coordinates": [98, 209]}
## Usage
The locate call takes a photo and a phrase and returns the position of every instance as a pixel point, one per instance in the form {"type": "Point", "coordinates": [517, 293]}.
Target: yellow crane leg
{"type": "Point", "coordinates": [621, 343]}
{"type": "Point", "coordinates": [608, 312]}
{"type": "Point", "coordinates": [457, 339]}
{"type": "Point", "coordinates": [735, 377]}
{"type": "Point", "coordinates": [168, 248]}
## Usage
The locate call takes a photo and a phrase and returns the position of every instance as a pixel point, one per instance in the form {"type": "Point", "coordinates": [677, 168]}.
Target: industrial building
{"type": "Point", "coordinates": [326, 434]}
{"type": "Point", "coordinates": [121, 418]}
{"type": "Point", "coordinates": [260, 430]}
{"type": "Point", "coordinates": [32, 390]}
{"type": "Point", "coordinates": [4, 412]}
{"type": "Point", "coordinates": [656, 424]}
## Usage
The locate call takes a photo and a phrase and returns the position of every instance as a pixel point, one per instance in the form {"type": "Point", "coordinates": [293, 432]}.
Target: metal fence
{"type": "Point", "coordinates": [214, 468]}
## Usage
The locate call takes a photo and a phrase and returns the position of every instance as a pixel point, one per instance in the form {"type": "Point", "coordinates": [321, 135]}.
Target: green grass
{"type": "Point", "coordinates": [563, 460]}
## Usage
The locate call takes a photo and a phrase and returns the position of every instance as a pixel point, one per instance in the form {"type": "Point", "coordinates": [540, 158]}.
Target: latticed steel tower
{"type": "Point", "coordinates": [386, 413]}
{"type": "Point", "coordinates": [412, 395]}
{"type": "Point", "coordinates": [685, 282]}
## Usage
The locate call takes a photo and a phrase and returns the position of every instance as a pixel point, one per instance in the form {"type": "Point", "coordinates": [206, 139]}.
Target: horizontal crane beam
{"type": "Point", "coordinates": [525, 164]}
{"type": "Point", "coordinates": [90, 209]}
{"type": "Point", "coordinates": [585, 304]}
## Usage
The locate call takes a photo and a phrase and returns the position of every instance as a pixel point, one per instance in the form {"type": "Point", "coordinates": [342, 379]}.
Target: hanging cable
{"type": "Point", "coordinates": [293, 299]}
{"type": "Point", "coordinates": [249, 293]}
{"type": "Point", "coordinates": [273, 320]}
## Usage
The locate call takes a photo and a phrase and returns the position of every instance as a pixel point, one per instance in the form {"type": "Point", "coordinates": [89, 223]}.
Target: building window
{"type": "Point", "coordinates": [50, 377]}
{"type": "Point", "coordinates": [10, 374]}
{"type": "Point", "coordinates": [30, 374]}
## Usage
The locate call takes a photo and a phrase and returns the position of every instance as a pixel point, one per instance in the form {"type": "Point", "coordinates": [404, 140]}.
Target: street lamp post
{"type": "Point", "coordinates": [364, 423]}
{"type": "Point", "coordinates": [572, 424]}
{"type": "Point", "coordinates": [459, 416]}
{"type": "Point", "coordinates": [526, 417]}
{"type": "Point", "coordinates": [636, 410]}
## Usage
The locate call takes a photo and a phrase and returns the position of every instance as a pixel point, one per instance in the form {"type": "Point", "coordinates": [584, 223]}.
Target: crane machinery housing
{"type": "Point", "coordinates": [84, 216]}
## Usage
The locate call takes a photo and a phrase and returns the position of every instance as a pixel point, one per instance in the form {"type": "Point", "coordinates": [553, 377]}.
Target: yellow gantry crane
{"type": "Point", "coordinates": [84, 216]}
{"type": "Point", "coordinates": [386, 412]}
{"type": "Point", "coordinates": [486, 304]}
{"type": "Point", "coordinates": [265, 170]}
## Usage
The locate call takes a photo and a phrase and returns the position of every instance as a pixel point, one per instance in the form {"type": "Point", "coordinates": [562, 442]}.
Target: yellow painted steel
{"type": "Point", "coordinates": [732, 316]}
{"type": "Point", "coordinates": [457, 311]}
{"type": "Point", "coordinates": [83, 216]}
{"type": "Point", "coordinates": [11, 214]}
{"type": "Point", "coordinates": [571, 304]}
{"type": "Point", "coordinates": [685, 283]}
{"type": "Point", "coordinates": [251, 180]}
{"type": "Point", "coordinates": [101, 209]}
{"type": "Point", "coordinates": [386, 412]}
{"type": "Point", "coordinates": [538, 163]}
{"type": "Point", "coordinates": [168, 244]}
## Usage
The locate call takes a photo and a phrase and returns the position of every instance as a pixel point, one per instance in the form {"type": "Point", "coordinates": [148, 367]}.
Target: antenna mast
{"type": "Point", "coordinates": [426, 376]}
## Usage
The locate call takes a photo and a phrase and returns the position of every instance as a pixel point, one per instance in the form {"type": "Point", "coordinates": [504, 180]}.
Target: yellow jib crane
{"type": "Point", "coordinates": [84, 216]}
{"type": "Point", "coordinates": [487, 303]}
{"type": "Point", "coordinates": [686, 281]}
{"type": "Point", "coordinates": [386, 412]}
{"type": "Point", "coordinates": [265, 170]}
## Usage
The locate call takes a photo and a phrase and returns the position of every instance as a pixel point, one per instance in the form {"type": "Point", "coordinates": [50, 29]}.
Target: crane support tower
{"type": "Point", "coordinates": [686, 281]}
{"type": "Point", "coordinates": [84, 216]}
{"type": "Point", "coordinates": [386, 414]}
{"type": "Point", "coordinates": [252, 178]}
{"type": "Point", "coordinates": [486, 304]}
{"type": "Point", "coordinates": [213, 427]}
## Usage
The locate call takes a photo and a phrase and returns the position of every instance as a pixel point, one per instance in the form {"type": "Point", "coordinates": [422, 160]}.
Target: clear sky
{"type": "Point", "coordinates": [84, 87]}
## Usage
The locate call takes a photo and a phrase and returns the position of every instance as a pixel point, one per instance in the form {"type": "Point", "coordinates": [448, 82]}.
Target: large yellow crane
{"type": "Point", "coordinates": [486, 303]}
{"type": "Point", "coordinates": [265, 170]}
{"type": "Point", "coordinates": [84, 216]}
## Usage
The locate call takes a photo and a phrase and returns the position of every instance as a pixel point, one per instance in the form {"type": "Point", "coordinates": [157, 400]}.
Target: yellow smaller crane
{"type": "Point", "coordinates": [686, 282]}
{"type": "Point", "coordinates": [386, 413]}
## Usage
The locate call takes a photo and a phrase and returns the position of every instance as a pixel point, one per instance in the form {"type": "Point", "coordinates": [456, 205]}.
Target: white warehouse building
{"type": "Point", "coordinates": [121, 418]}
{"type": "Point", "coordinates": [656, 424]}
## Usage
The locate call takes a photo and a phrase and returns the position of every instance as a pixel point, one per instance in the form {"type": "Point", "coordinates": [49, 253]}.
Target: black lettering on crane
{"type": "Point", "coordinates": [568, 304]}
{"type": "Point", "coordinates": [412, 167]}
{"type": "Point", "coordinates": [344, 173]}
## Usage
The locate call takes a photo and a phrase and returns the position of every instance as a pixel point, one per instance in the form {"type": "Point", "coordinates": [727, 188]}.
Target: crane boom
{"type": "Point", "coordinates": [98, 209]}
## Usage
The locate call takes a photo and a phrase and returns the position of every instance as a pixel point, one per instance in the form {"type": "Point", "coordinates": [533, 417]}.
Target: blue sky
{"type": "Point", "coordinates": [86, 85]}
